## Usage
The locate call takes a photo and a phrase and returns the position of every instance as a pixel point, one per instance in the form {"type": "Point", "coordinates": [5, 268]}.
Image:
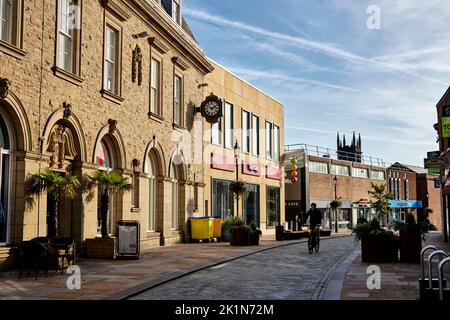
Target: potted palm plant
{"type": "Point", "coordinates": [58, 187]}
{"type": "Point", "coordinates": [109, 183]}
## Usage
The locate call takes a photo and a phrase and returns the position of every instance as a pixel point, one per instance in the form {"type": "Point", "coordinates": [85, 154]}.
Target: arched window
{"type": "Point", "coordinates": [152, 189]}
{"type": "Point", "coordinates": [103, 156]}
{"type": "Point", "coordinates": [173, 174]}
{"type": "Point", "coordinates": [5, 175]}
{"type": "Point", "coordinates": [104, 160]}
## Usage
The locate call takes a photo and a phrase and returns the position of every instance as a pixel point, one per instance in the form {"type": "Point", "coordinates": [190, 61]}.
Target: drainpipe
{"type": "Point", "coordinates": [41, 138]}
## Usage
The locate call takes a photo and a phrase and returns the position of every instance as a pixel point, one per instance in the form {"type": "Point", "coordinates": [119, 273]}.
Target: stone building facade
{"type": "Point", "coordinates": [100, 85]}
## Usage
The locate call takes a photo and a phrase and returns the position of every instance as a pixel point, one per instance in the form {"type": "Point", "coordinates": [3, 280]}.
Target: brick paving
{"type": "Point", "coordinates": [399, 281]}
{"type": "Point", "coordinates": [103, 279]}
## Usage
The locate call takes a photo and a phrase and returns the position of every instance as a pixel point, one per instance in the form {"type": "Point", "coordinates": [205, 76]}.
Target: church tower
{"type": "Point", "coordinates": [351, 152]}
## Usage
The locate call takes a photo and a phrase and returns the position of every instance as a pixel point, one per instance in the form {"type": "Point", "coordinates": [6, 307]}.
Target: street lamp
{"type": "Point", "coordinates": [335, 180]}
{"type": "Point", "coordinates": [237, 156]}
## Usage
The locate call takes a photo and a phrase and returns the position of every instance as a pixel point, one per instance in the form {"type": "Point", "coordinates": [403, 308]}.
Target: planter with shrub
{"type": "Point", "coordinates": [240, 236]}
{"type": "Point", "coordinates": [255, 234]}
{"type": "Point", "coordinates": [410, 239]}
{"type": "Point", "coordinates": [377, 244]}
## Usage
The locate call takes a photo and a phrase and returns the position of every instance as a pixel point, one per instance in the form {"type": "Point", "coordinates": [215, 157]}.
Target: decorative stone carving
{"type": "Point", "coordinates": [112, 126]}
{"type": "Point", "coordinates": [61, 146]}
{"type": "Point", "coordinates": [137, 64]}
{"type": "Point", "coordinates": [136, 165]}
{"type": "Point", "coordinates": [4, 87]}
{"type": "Point", "coordinates": [67, 110]}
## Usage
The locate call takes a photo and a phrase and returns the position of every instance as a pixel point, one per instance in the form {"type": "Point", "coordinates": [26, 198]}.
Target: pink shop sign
{"type": "Point", "coordinates": [273, 173]}
{"type": "Point", "coordinates": [221, 162]}
{"type": "Point", "coordinates": [251, 169]}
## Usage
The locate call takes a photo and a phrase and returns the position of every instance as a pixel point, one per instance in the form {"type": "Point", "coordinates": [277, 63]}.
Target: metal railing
{"type": "Point", "coordinates": [335, 154]}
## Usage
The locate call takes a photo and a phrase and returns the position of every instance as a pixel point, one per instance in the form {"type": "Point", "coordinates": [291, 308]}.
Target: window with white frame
{"type": "Point", "coordinates": [229, 125]}
{"type": "Point", "coordinates": [318, 167]}
{"type": "Point", "coordinates": [9, 21]}
{"type": "Point", "coordinates": [406, 189]}
{"type": "Point", "coordinates": [340, 170]}
{"type": "Point", "coordinates": [111, 59]}
{"type": "Point", "coordinates": [177, 96]}
{"type": "Point", "coordinates": [269, 141]}
{"type": "Point", "coordinates": [155, 91]}
{"type": "Point", "coordinates": [255, 135]}
{"type": "Point", "coordinates": [245, 131]}
{"type": "Point", "coordinates": [276, 143]}
{"type": "Point", "coordinates": [360, 173]}
{"type": "Point", "coordinates": [216, 133]}
{"type": "Point", "coordinates": [68, 42]}
{"type": "Point", "coordinates": [377, 175]}
{"type": "Point", "coordinates": [176, 11]}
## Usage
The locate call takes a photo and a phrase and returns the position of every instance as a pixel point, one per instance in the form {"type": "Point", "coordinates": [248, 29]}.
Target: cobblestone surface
{"type": "Point", "coordinates": [283, 273]}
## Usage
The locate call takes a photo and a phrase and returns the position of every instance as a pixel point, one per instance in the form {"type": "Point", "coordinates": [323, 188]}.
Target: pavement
{"type": "Point", "coordinates": [105, 279]}
{"type": "Point", "coordinates": [399, 281]}
{"type": "Point", "coordinates": [217, 270]}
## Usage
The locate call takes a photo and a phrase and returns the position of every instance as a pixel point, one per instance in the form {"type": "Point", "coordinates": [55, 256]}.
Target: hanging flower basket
{"type": "Point", "coordinates": [239, 188]}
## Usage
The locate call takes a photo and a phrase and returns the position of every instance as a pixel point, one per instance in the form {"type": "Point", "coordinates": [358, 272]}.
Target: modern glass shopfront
{"type": "Point", "coordinates": [251, 205]}
{"type": "Point", "coordinates": [273, 206]}
{"type": "Point", "coordinates": [222, 199]}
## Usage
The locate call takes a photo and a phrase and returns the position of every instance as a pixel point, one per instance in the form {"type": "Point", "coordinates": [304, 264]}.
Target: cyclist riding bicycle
{"type": "Point", "coordinates": [315, 221]}
{"type": "Point", "coordinates": [315, 217]}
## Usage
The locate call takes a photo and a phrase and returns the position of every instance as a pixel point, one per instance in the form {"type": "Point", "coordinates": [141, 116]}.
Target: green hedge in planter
{"type": "Point", "coordinates": [377, 244]}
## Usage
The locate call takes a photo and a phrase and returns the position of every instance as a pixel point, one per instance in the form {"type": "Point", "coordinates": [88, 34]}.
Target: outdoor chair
{"type": "Point", "coordinates": [62, 250]}
{"type": "Point", "coordinates": [31, 256]}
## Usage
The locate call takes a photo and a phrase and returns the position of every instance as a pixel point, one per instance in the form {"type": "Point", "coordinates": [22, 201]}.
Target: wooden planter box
{"type": "Point", "coordinates": [376, 249]}
{"type": "Point", "coordinates": [240, 237]}
{"type": "Point", "coordinates": [325, 233]}
{"type": "Point", "coordinates": [99, 248]}
{"type": "Point", "coordinates": [410, 245]}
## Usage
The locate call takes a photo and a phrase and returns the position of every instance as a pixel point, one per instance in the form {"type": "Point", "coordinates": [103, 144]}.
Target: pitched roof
{"type": "Point", "coordinates": [416, 169]}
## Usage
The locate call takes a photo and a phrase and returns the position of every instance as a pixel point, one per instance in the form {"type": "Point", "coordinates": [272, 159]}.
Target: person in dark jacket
{"type": "Point", "coordinates": [315, 217]}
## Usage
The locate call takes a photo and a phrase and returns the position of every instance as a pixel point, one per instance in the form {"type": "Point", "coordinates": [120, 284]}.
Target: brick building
{"type": "Point", "coordinates": [410, 184]}
{"type": "Point", "coordinates": [100, 85]}
{"type": "Point", "coordinates": [323, 179]}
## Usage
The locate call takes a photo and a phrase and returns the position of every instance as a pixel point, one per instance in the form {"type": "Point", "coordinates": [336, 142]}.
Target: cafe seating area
{"type": "Point", "coordinates": [43, 255]}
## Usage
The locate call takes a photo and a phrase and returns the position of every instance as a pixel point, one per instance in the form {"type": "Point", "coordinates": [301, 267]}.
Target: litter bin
{"type": "Point", "coordinates": [202, 228]}
{"type": "Point", "coordinates": [217, 227]}
{"type": "Point", "coordinates": [279, 233]}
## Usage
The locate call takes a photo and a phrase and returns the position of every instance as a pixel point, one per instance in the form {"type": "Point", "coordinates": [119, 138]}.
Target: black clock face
{"type": "Point", "coordinates": [212, 108]}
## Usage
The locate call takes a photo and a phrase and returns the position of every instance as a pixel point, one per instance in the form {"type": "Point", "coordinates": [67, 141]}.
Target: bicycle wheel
{"type": "Point", "coordinates": [310, 246]}
{"type": "Point", "coordinates": [317, 246]}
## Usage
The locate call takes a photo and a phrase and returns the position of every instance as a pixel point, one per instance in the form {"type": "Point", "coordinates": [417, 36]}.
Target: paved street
{"type": "Point", "coordinates": [283, 273]}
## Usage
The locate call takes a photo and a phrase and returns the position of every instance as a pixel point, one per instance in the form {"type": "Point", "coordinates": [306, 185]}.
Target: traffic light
{"type": "Point", "coordinates": [294, 168]}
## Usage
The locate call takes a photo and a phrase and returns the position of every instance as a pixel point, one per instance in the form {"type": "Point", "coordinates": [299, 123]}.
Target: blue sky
{"type": "Point", "coordinates": [331, 72]}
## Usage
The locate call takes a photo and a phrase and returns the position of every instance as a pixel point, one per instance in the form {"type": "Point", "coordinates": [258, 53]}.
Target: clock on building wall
{"type": "Point", "coordinates": [211, 109]}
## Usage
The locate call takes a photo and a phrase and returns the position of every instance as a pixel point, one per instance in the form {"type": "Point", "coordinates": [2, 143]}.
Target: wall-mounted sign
{"type": "Point", "coordinates": [405, 204]}
{"type": "Point", "coordinates": [433, 154]}
{"type": "Point", "coordinates": [434, 163]}
{"type": "Point", "coordinates": [273, 173]}
{"type": "Point", "coordinates": [222, 162]}
{"type": "Point", "coordinates": [434, 171]}
{"type": "Point", "coordinates": [446, 122]}
{"type": "Point", "coordinates": [251, 169]}
{"type": "Point", "coordinates": [437, 184]}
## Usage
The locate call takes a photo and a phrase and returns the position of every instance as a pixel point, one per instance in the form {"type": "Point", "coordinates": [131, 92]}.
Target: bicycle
{"type": "Point", "coordinates": [314, 240]}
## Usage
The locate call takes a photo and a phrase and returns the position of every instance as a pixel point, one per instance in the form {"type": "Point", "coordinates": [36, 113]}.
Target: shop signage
{"type": "Point", "coordinates": [273, 173]}
{"type": "Point", "coordinates": [434, 171]}
{"type": "Point", "coordinates": [405, 204]}
{"type": "Point", "coordinates": [434, 163]}
{"type": "Point", "coordinates": [437, 184]}
{"type": "Point", "coordinates": [292, 204]}
{"type": "Point", "coordinates": [222, 162]}
{"type": "Point", "coordinates": [433, 154]}
{"type": "Point", "coordinates": [446, 122]}
{"type": "Point", "coordinates": [251, 169]}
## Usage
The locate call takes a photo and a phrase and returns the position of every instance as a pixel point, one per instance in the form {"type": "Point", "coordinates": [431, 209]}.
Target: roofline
{"type": "Point", "coordinates": [447, 92]}
{"type": "Point", "coordinates": [245, 81]}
